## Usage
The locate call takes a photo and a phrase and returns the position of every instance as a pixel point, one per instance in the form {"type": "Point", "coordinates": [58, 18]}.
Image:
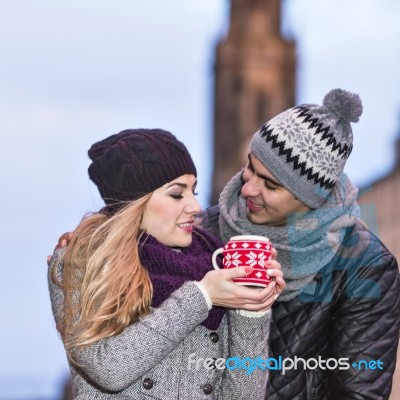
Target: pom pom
{"type": "Point", "coordinates": [344, 105]}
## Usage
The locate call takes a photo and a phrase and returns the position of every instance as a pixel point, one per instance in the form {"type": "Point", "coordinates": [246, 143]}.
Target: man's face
{"type": "Point", "coordinates": [267, 201]}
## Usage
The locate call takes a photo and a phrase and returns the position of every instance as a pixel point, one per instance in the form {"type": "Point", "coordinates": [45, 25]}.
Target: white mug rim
{"type": "Point", "coordinates": [249, 237]}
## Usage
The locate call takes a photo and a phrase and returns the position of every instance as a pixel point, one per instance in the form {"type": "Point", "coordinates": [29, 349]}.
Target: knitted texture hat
{"type": "Point", "coordinates": [134, 162]}
{"type": "Point", "coordinates": [306, 147]}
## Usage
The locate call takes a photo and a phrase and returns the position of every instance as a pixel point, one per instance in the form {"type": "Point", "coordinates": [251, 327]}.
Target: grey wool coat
{"type": "Point", "coordinates": [150, 358]}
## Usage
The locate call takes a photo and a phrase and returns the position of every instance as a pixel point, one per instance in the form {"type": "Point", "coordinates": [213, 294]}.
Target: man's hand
{"type": "Point", "coordinates": [63, 241]}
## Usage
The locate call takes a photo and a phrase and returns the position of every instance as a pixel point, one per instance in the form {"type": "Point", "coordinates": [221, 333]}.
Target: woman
{"type": "Point", "coordinates": [140, 310]}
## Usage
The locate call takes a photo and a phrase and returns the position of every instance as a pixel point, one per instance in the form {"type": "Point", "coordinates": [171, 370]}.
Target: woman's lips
{"type": "Point", "coordinates": [187, 227]}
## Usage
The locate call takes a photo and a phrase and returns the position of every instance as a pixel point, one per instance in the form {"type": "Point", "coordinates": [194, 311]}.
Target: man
{"type": "Point", "coordinates": [336, 327]}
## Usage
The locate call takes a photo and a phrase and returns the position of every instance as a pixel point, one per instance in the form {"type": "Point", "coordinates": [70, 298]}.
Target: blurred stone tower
{"type": "Point", "coordinates": [255, 71]}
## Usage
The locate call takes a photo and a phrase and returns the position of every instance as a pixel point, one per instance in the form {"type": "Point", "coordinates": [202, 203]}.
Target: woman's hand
{"type": "Point", "coordinates": [225, 293]}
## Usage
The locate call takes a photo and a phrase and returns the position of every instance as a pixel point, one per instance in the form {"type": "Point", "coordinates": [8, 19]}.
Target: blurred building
{"type": "Point", "coordinates": [380, 203]}
{"type": "Point", "coordinates": [67, 390]}
{"type": "Point", "coordinates": [255, 70]}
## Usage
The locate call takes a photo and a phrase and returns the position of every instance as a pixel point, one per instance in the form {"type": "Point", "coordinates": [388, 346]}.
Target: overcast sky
{"type": "Point", "coordinates": [73, 72]}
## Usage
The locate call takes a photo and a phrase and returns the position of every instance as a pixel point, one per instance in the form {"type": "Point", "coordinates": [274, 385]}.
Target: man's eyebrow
{"type": "Point", "coordinates": [270, 180]}
{"type": "Point", "coordinates": [266, 178]}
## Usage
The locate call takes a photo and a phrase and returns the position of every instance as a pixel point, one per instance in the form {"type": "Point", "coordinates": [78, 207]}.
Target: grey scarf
{"type": "Point", "coordinates": [307, 243]}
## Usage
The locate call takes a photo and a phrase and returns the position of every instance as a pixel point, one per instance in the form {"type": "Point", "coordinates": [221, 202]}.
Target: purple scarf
{"type": "Point", "coordinates": [170, 269]}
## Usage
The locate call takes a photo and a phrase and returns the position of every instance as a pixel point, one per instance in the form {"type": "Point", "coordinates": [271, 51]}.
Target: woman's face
{"type": "Point", "coordinates": [171, 210]}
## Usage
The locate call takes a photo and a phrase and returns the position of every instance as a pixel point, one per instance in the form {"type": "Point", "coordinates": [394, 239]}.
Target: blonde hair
{"type": "Point", "coordinates": [105, 286]}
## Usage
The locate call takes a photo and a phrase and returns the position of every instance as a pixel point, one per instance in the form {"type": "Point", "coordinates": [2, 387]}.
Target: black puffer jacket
{"type": "Point", "coordinates": [351, 312]}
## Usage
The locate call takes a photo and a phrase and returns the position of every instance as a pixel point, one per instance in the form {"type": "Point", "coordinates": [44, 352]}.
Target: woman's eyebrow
{"type": "Point", "coordinates": [180, 184]}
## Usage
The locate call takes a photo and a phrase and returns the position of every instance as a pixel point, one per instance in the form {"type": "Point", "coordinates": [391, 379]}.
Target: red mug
{"type": "Point", "coordinates": [243, 251]}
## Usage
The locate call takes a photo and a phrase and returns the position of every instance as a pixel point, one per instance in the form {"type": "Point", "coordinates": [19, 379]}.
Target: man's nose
{"type": "Point", "coordinates": [251, 188]}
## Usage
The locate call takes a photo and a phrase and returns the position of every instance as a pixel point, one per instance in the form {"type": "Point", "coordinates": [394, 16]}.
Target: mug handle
{"type": "Point", "coordinates": [214, 258]}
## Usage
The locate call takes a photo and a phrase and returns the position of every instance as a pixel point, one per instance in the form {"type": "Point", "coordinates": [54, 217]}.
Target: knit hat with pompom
{"type": "Point", "coordinates": [306, 147]}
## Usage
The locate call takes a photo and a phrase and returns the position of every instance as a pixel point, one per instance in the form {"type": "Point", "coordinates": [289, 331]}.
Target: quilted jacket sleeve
{"type": "Point", "coordinates": [116, 362]}
{"type": "Point", "coordinates": [366, 327]}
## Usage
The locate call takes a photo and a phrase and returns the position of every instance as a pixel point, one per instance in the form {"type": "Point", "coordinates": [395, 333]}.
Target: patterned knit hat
{"type": "Point", "coordinates": [134, 162]}
{"type": "Point", "coordinates": [306, 147]}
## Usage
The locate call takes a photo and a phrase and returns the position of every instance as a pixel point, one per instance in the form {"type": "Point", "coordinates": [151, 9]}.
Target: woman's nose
{"type": "Point", "coordinates": [193, 207]}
